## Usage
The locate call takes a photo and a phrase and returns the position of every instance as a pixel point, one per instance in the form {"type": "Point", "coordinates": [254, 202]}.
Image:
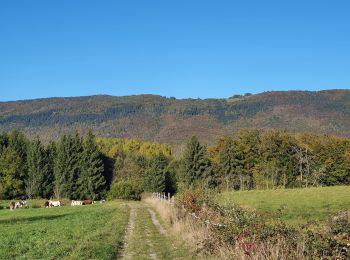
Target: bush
{"type": "Point", "coordinates": [125, 189]}
{"type": "Point", "coordinates": [249, 232]}
{"type": "Point", "coordinates": [340, 232]}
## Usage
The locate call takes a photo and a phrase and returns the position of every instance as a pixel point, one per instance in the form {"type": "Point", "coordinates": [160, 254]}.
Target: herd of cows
{"type": "Point", "coordinates": [51, 203]}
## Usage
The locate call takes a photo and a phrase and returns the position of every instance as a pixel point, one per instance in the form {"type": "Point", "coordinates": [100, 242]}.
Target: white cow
{"type": "Point", "coordinates": [24, 204]}
{"type": "Point", "coordinates": [18, 204]}
{"type": "Point", "coordinates": [56, 203]}
{"type": "Point", "coordinates": [76, 203]}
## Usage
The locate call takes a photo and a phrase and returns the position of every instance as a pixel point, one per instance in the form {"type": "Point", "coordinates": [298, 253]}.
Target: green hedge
{"type": "Point", "coordinates": [125, 189]}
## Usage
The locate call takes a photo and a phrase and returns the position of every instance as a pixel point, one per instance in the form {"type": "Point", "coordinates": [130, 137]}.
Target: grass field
{"type": "Point", "coordinates": [295, 206]}
{"type": "Point", "coordinates": [134, 230]}
{"type": "Point", "coordinates": [118, 229]}
{"type": "Point", "coordinates": [85, 232]}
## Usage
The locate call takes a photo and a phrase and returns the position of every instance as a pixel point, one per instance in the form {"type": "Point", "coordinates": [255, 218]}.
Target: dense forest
{"type": "Point", "coordinates": [173, 121]}
{"type": "Point", "coordinates": [82, 167]}
{"type": "Point", "coordinates": [69, 168]}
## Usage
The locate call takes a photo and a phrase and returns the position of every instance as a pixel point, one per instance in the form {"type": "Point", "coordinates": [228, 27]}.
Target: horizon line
{"type": "Point", "coordinates": [170, 96]}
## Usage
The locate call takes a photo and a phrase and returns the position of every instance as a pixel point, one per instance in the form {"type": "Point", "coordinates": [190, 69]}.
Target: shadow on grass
{"type": "Point", "coordinates": [32, 219]}
{"type": "Point", "coordinates": [119, 250]}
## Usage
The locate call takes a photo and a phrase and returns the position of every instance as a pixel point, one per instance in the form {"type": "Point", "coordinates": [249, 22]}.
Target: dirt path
{"type": "Point", "coordinates": [129, 232]}
{"type": "Point", "coordinates": [147, 238]}
{"type": "Point", "coordinates": [156, 222]}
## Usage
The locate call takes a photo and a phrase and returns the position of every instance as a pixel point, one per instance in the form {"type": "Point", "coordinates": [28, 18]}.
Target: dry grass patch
{"type": "Point", "coordinates": [245, 234]}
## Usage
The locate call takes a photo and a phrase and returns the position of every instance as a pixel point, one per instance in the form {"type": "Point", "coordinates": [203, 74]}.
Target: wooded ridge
{"type": "Point", "coordinates": [171, 120]}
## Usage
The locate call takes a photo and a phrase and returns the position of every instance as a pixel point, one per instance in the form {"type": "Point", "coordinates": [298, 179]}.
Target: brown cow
{"type": "Point", "coordinates": [17, 204]}
{"type": "Point", "coordinates": [46, 204]}
{"type": "Point", "coordinates": [12, 205]}
{"type": "Point", "coordinates": [87, 202]}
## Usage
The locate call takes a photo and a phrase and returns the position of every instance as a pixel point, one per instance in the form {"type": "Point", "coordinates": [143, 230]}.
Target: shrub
{"type": "Point", "coordinates": [340, 232]}
{"type": "Point", "coordinates": [125, 189]}
{"type": "Point", "coordinates": [247, 231]}
{"type": "Point", "coordinates": [195, 199]}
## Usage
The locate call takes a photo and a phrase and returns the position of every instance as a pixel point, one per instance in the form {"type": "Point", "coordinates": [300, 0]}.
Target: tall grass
{"type": "Point", "coordinates": [205, 244]}
{"type": "Point", "coordinates": [181, 227]}
{"type": "Point", "coordinates": [248, 234]}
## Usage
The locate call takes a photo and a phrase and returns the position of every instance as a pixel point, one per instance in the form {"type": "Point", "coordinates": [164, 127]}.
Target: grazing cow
{"type": "Point", "coordinates": [24, 204]}
{"type": "Point", "coordinates": [12, 205]}
{"type": "Point", "coordinates": [56, 203]}
{"type": "Point", "coordinates": [76, 203]}
{"type": "Point", "coordinates": [46, 204]}
{"type": "Point", "coordinates": [88, 202]}
{"type": "Point", "coordinates": [18, 204]}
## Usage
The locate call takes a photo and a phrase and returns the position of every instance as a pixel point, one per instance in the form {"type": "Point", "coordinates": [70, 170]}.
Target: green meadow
{"type": "Point", "coordinates": [295, 206]}
{"type": "Point", "coordinates": [116, 229]}
{"type": "Point", "coordinates": [82, 232]}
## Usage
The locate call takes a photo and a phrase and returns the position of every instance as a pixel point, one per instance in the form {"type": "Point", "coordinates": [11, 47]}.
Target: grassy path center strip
{"type": "Point", "coordinates": [146, 237]}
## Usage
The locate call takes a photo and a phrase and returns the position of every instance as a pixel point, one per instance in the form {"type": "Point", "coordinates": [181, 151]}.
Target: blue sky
{"type": "Point", "coordinates": [172, 48]}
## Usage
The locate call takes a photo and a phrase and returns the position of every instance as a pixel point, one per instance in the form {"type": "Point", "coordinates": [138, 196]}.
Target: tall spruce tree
{"type": "Point", "coordinates": [11, 175]}
{"type": "Point", "coordinates": [68, 166]}
{"type": "Point", "coordinates": [229, 161]}
{"type": "Point", "coordinates": [91, 182]}
{"type": "Point", "coordinates": [37, 168]}
{"type": "Point", "coordinates": [156, 174]}
{"type": "Point", "coordinates": [60, 166]}
{"type": "Point", "coordinates": [76, 165]}
{"type": "Point", "coordinates": [196, 163]}
{"type": "Point", "coordinates": [49, 178]}
{"type": "Point", "coordinates": [18, 143]}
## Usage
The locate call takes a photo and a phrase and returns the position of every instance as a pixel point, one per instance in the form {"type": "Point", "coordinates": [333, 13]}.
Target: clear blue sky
{"type": "Point", "coordinates": [172, 48]}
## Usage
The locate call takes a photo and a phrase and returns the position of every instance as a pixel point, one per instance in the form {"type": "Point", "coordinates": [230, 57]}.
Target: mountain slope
{"type": "Point", "coordinates": [174, 120]}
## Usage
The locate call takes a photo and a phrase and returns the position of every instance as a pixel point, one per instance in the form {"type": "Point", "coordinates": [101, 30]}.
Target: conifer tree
{"type": "Point", "coordinates": [229, 161]}
{"type": "Point", "coordinates": [68, 166]}
{"type": "Point", "coordinates": [196, 163]}
{"type": "Point", "coordinates": [91, 182]}
{"type": "Point", "coordinates": [37, 168]}
{"type": "Point", "coordinates": [11, 174]}
{"type": "Point", "coordinates": [17, 142]}
{"type": "Point", "coordinates": [76, 162]}
{"type": "Point", "coordinates": [156, 174]}
{"type": "Point", "coordinates": [60, 167]}
{"type": "Point", "coordinates": [48, 178]}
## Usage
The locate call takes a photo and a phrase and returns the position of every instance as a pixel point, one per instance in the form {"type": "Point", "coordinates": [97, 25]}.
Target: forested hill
{"type": "Point", "coordinates": [174, 120]}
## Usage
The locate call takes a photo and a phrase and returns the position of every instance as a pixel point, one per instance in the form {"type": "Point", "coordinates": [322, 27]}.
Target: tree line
{"type": "Point", "coordinates": [80, 167]}
{"type": "Point", "coordinates": [268, 159]}
{"type": "Point", "coordinates": [71, 167]}
{"type": "Point", "coordinates": [252, 159]}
